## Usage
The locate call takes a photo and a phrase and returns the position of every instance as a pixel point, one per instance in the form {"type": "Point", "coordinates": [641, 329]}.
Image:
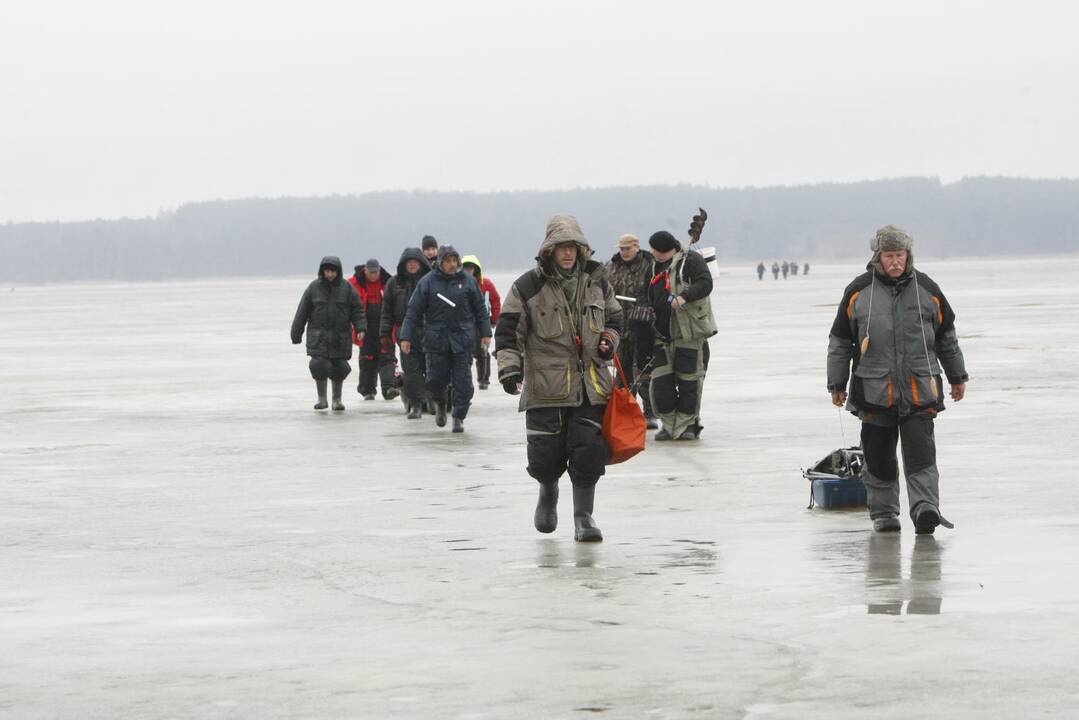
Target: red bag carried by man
{"type": "Point", "coordinates": [623, 421]}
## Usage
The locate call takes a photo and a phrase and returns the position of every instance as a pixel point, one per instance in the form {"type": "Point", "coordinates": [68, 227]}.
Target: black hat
{"type": "Point", "coordinates": [372, 264]}
{"type": "Point", "coordinates": [428, 242]}
{"type": "Point", "coordinates": [662, 241]}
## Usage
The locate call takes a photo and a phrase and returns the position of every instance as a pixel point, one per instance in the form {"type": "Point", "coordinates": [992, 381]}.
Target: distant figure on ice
{"type": "Point", "coordinates": [411, 267]}
{"type": "Point", "coordinates": [378, 361]}
{"type": "Point", "coordinates": [559, 329]}
{"type": "Point", "coordinates": [898, 329]}
{"type": "Point", "coordinates": [775, 270]}
{"type": "Point", "coordinates": [448, 304]}
{"type": "Point", "coordinates": [794, 268]}
{"type": "Point", "coordinates": [330, 310]}
{"type": "Point", "coordinates": [786, 269]}
{"type": "Point", "coordinates": [430, 250]}
{"type": "Point", "coordinates": [680, 296]}
{"type": "Point", "coordinates": [629, 272]}
{"type": "Point", "coordinates": [760, 271]}
{"type": "Point", "coordinates": [493, 302]}
{"type": "Point", "coordinates": [805, 269]}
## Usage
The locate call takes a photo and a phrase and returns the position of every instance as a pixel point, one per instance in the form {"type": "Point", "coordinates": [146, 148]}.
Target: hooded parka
{"type": "Point", "coordinates": [329, 311]}
{"type": "Point", "coordinates": [552, 343]}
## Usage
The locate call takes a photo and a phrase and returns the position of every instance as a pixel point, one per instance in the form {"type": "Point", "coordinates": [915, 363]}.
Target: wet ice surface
{"type": "Point", "coordinates": [182, 536]}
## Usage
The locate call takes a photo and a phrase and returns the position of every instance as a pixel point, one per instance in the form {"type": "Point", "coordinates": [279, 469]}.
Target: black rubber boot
{"type": "Point", "coordinates": [546, 518]}
{"type": "Point", "coordinates": [320, 385]}
{"type": "Point", "coordinates": [338, 406]}
{"type": "Point", "coordinates": [662, 435]}
{"type": "Point", "coordinates": [440, 414]}
{"type": "Point", "coordinates": [414, 412]}
{"type": "Point", "coordinates": [584, 527]}
{"type": "Point", "coordinates": [458, 425]}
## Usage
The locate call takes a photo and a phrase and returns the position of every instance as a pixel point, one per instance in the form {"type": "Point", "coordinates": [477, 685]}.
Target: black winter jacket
{"type": "Point", "coordinates": [450, 322]}
{"type": "Point", "coordinates": [399, 291]}
{"type": "Point", "coordinates": [329, 311]}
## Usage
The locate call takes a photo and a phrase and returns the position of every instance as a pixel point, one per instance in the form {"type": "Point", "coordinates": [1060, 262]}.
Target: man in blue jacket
{"type": "Point", "coordinates": [448, 304]}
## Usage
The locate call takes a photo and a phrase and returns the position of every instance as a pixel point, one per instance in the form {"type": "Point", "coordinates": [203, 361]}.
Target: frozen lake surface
{"type": "Point", "coordinates": [181, 535]}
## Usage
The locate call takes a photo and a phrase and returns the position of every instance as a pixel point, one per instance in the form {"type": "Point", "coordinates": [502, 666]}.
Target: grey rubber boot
{"type": "Point", "coordinates": [338, 406]}
{"type": "Point", "coordinates": [887, 524]}
{"type": "Point", "coordinates": [546, 518]}
{"type": "Point", "coordinates": [584, 527]}
{"type": "Point", "coordinates": [320, 386]}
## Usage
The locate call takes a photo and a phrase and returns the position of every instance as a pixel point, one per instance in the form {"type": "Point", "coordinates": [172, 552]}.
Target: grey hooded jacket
{"type": "Point", "coordinates": [911, 331]}
{"type": "Point", "coordinates": [550, 344]}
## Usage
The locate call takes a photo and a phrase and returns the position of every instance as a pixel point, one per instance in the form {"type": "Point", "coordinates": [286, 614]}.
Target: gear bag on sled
{"type": "Point", "coordinates": [836, 481]}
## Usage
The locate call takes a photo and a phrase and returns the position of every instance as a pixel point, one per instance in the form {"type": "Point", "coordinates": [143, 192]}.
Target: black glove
{"type": "Point", "coordinates": [605, 349]}
{"type": "Point", "coordinates": [510, 383]}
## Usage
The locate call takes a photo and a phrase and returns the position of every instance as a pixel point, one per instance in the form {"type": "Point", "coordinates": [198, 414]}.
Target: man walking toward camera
{"type": "Point", "coordinates": [897, 329]}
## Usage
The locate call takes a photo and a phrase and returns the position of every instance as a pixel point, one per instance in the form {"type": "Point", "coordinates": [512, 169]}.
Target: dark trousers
{"type": "Point", "coordinates": [414, 373]}
{"type": "Point", "coordinates": [567, 437]}
{"type": "Point", "coordinates": [378, 368]}
{"type": "Point", "coordinates": [450, 367]}
{"type": "Point", "coordinates": [323, 367]}
{"type": "Point", "coordinates": [881, 475]}
{"type": "Point", "coordinates": [635, 352]}
{"type": "Point", "coordinates": [483, 363]}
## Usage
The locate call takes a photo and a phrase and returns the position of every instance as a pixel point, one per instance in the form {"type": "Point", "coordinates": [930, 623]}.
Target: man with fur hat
{"type": "Point", "coordinates": [330, 311]}
{"type": "Point", "coordinates": [559, 328]}
{"type": "Point", "coordinates": [630, 271]}
{"type": "Point", "coordinates": [680, 295]}
{"type": "Point", "coordinates": [897, 329]}
{"type": "Point", "coordinates": [448, 304]}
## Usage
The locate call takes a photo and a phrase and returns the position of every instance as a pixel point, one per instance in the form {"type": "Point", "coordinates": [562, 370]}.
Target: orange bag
{"type": "Point", "coordinates": [623, 422]}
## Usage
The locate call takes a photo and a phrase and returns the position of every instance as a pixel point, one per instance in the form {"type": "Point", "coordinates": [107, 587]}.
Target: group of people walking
{"type": "Point", "coordinates": [789, 267]}
{"type": "Point", "coordinates": [567, 318]}
{"type": "Point", "coordinates": [449, 324]}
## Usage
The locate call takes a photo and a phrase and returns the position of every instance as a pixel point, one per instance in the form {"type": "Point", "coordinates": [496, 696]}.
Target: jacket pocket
{"type": "Point", "coordinates": [600, 378]}
{"type": "Point", "coordinates": [685, 360]}
{"type": "Point", "coordinates": [877, 386]}
{"type": "Point", "coordinates": [924, 388]}
{"type": "Point", "coordinates": [550, 381]}
{"type": "Point", "coordinates": [595, 318]}
{"type": "Point", "coordinates": [548, 323]}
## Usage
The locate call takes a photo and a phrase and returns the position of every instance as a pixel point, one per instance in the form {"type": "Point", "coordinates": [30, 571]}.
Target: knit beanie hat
{"type": "Point", "coordinates": [663, 241]}
{"type": "Point", "coordinates": [428, 242]}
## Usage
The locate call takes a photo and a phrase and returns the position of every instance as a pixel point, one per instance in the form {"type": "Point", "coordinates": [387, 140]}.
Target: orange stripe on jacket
{"type": "Point", "coordinates": [850, 305]}
{"type": "Point", "coordinates": [914, 389]}
{"type": "Point", "coordinates": [940, 313]}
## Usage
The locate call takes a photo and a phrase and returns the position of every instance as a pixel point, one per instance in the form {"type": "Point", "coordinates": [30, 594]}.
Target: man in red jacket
{"type": "Point", "coordinates": [377, 359]}
{"type": "Point", "coordinates": [491, 299]}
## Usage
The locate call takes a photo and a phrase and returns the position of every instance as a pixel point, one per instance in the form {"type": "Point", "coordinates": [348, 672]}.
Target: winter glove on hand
{"type": "Point", "coordinates": [510, 383]}
{"type": "Point", "coordinates": [605, 351]}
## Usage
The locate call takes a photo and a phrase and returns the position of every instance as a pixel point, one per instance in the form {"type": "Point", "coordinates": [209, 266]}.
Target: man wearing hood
{"type": "Point", "coordinates": [629, 272]}
{"type": "Point", "coordinates": [493, 302]}
{"type": "Point", "coordinates": [331, 311]}
{"type": "Point", "coordinates": [558, 330]}
{"type": "Point", "coordinates": [447, 302]}
{"type": "Point", "coordinates": [897, 329]}
{"type": "Point", "coordinates": [377, 360]}
{"type": "Point", "coordinates": [680, 295]}
{"type": "Point", "coordinates": [411, 268]}
{"type": "Point", "coordinates": [429, 246]}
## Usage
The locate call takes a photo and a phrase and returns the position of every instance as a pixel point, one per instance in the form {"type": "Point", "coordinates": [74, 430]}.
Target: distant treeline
{"type": "Point", "coordinates": [273, 236]}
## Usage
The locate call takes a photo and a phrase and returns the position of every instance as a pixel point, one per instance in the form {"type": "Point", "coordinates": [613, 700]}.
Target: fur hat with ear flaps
{"type": "Point", "coordinates": [889, 239]}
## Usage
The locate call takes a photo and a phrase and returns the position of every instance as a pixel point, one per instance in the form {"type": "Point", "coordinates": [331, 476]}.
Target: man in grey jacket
{"type": "Point", "coordinates": [897, 329]}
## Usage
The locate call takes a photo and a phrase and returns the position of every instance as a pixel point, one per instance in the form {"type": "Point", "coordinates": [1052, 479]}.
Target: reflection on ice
{"type": "Point", "coordinates": [886, 588]}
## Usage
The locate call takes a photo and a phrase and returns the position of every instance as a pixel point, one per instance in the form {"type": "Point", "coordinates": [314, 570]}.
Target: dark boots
{"type": "Point", "coordinates": [458, 425]}
{"type": "Point", "coordinates": [338, 406]}
{"type": "Point", "coordinates": [320, 385]}
{"type": "Point", "coordinates": [414, 412]}
{"type": "Point", "coordinates": [440, 413]}
{"type": "Point", "coordinates": [546, 518]}
{"type": "Point", "coordinates": [584, 527]}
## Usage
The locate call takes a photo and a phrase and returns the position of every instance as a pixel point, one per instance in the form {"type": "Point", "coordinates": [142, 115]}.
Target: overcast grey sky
{"type": "Point", "coordinates": [115, 108]}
